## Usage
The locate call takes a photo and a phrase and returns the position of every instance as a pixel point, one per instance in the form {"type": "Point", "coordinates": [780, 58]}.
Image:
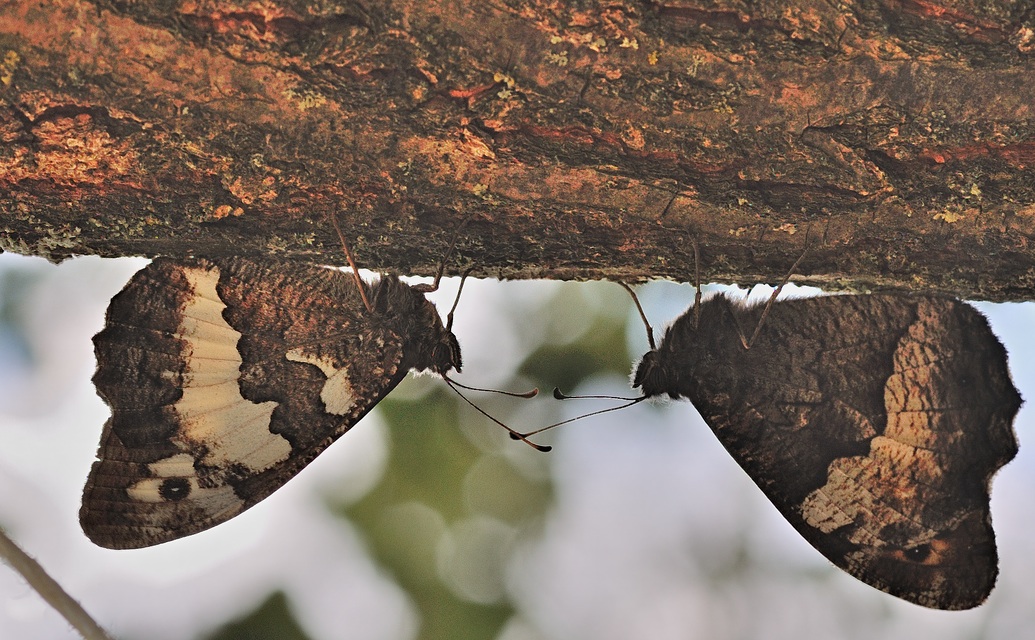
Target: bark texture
{"type": "Point", "coordinates": [577, 139]}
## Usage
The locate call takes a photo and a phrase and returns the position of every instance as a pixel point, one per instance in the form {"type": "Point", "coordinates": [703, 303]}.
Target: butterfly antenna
{"type": "Point", "coordinates": [513, 434]}
{"type": "Point", "coordinates": [697, 264]}
{"type": "Point", "coordinates": [643, 316]}
{"type": "Point", "coordinates": [352, 263]}
{"type": "Point", "coordinates": [561, 396]}
{"type": "Point", "coordinates": [513, 394]}
{"type": "Point", "coordinates": [769, 304]}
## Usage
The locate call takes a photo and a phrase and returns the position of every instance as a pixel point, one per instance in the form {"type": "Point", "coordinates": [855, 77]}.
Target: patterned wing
{"type": "Point", "coordinates": [224, 380]}
{"type": "Point", "coordinates": [875, 425]}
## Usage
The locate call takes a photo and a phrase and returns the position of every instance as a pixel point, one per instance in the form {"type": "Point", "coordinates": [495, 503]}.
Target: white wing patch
{"type": "Point", "coordinates": [212, 411]}
{"type": "Point", "coordinates": [337, 395]}
{"type": "Point", "coordinates": [213, 500]}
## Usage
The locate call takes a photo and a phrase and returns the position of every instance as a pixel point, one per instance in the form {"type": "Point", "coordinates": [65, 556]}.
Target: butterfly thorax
{"type": "Point", "coordinates": [428, 345]}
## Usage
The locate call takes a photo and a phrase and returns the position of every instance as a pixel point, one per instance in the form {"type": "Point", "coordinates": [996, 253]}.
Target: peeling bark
{"type": "Point", "coordinates": [577, 139]}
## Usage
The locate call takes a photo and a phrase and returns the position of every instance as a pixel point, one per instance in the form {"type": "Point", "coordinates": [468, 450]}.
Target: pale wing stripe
{"type": "Point", "coordinates": [199, 350]}
{"type": "Point", "coordinates": [232, 429]}
{"type": "Point", "coordinates": [217, 502]}
{"type": "Point", "coordinates": [180, 465]}
{"type": "Point", "coordinates": [251, 443]}
{"type": "Point", "coordinates": [212, 419]}
{"type": "Point", "coordinates": [200, 401]}
{"type": "Point", "coordinates": [205, 305]}
{"type": "Point", "coordinates": [202, 331]}
{"type": "Point", "coordinates": [211, 376]}
{"type": "Point", "coordinates": [337, 394]}
{"type": "Point", "coordinates": [235, 436]}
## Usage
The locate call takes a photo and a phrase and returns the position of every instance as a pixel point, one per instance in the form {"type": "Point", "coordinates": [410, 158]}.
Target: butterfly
{"type": "Point", "coordinates": [874, 424]}
{"type": "Point", "coordinates": [226, 377]}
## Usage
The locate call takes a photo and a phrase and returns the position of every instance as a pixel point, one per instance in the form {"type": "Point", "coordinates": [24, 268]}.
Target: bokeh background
{"type": "Point", "coordinates": [427, 521]}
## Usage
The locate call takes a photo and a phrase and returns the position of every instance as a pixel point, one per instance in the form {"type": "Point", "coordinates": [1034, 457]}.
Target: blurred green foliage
{"type": "Point", "coordinates": [15, 285]}
{"type": "Point", "coordinates": [410, 519]}
{"type": "Point", "coordinates": [272, 620]}
{"type": "Point", "coordinates": [458, 496]}
{"type": "Point", "coordinates": [453, 505]}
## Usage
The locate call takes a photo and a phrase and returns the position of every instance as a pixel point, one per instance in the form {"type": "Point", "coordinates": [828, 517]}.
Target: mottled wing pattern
{"type": "Point", "coordinates": [224, 379]}
{"type": "Point", "coordinates": [873, 423]}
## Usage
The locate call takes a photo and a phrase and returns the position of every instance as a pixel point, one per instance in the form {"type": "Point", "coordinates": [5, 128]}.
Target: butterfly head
{"type": "Point", "coordinates": [658, 373]}
{"type": "Point", "coordinates": [649, 376]}
{"type": "Point", "coordinates": [445, 354]}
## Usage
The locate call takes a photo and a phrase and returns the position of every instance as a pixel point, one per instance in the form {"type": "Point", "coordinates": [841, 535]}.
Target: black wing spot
{"type": "Point", "coordinates": [919, 553]}
{"type": "Point", "coordinates": [174, 489]}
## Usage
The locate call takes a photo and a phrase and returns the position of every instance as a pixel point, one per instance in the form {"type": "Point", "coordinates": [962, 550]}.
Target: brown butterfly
{"type": "Point", "coordinates": [226, 377]}
{"type": "Point", "coordinates": [874, 423]}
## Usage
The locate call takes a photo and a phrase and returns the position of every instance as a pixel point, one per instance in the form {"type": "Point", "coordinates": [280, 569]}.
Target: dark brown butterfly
{"type": "Point", "coordinates": [874, 423]}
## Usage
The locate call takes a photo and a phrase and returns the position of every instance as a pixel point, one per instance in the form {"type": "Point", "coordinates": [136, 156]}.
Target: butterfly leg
{"type": "Point", "coordinates": [449, 316]}
{"type": "Point", "coordinates": [769, 304]}
{"type": "Point", "coordinates": [428, 288]}
{"type": "Point", "coordinates": [352, 262]}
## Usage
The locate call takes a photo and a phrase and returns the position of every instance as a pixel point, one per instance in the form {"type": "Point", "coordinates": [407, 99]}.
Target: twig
{"type": "Point", "coordinates": [50, 590]}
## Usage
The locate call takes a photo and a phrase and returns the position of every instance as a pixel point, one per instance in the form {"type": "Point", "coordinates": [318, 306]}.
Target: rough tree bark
{"type": "Point", "coordinates": [578, 139]}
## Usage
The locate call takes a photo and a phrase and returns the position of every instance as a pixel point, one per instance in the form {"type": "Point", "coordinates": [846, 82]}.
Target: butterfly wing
{"type": "Point", "coordinates": [224, 379]}
{"type": "Point", "coordinates": [875, 425]}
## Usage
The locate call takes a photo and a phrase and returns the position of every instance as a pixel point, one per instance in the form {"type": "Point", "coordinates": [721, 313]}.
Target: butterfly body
{"type": "Point", "coordinates": [226, 377]}
{"type": "Point", "coordinates": [873, 423]}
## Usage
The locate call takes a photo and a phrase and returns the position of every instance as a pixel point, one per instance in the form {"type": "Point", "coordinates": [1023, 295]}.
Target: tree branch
{"type": "Point", "coordinates": [50, 590]}
{"type": "Point", "coordinates": [898, 131]}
